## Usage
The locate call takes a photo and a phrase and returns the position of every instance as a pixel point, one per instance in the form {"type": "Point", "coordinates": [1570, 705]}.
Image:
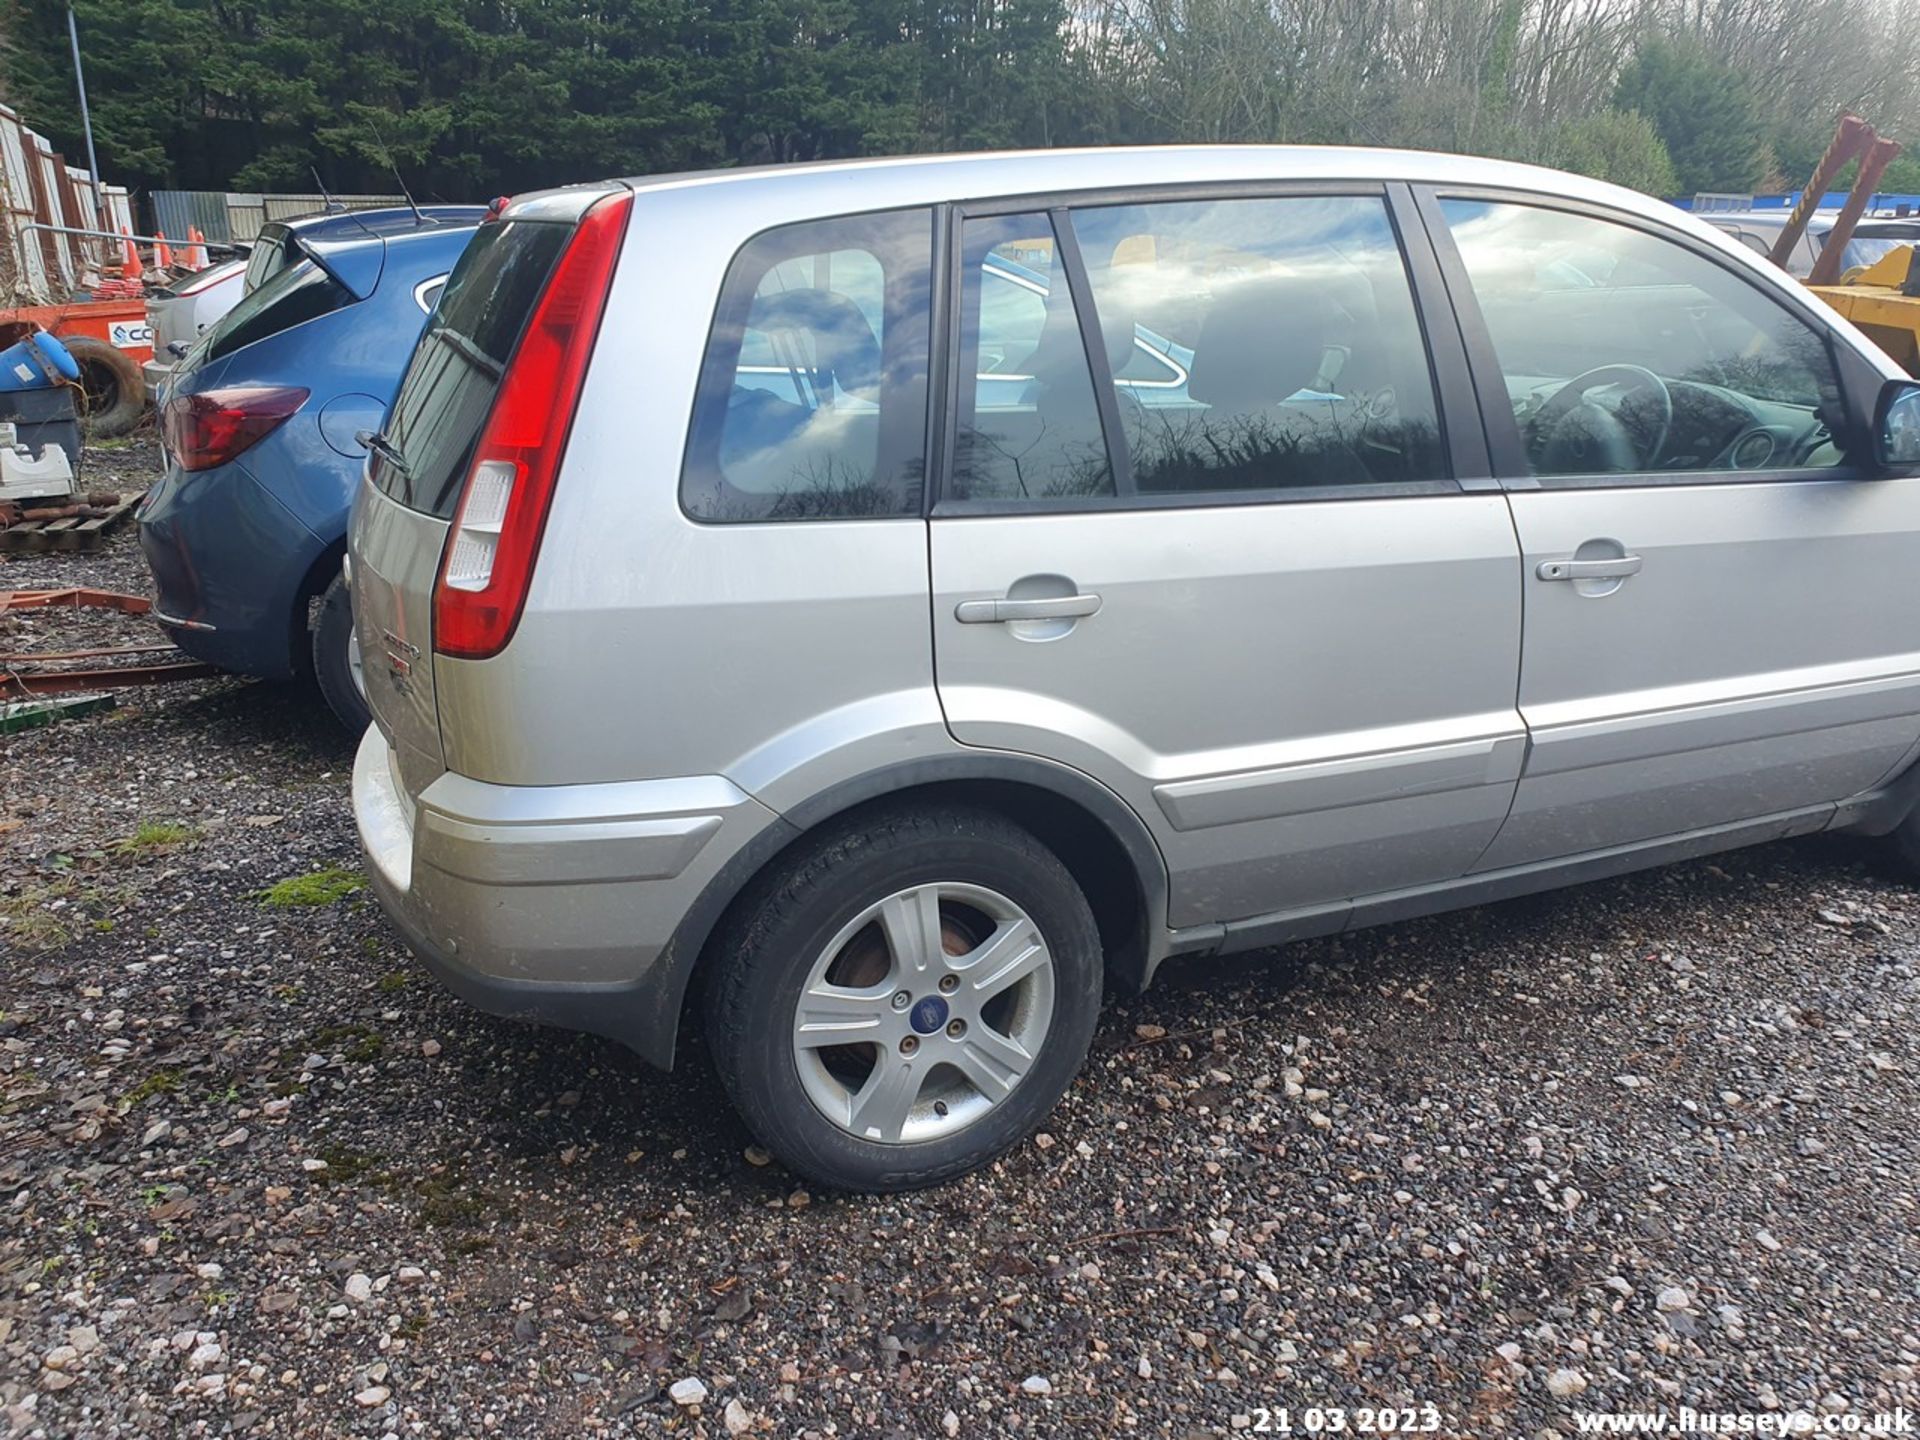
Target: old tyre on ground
{"type": "Point", "coordinates": [114, 391]}
{"type": "Point", "coordinates": [905, 996]}
{"type": "Point", "coordinates": [336, 658]}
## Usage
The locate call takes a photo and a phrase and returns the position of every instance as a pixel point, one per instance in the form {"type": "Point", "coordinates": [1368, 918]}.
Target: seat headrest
{"type": "Point", "coordinates": [1263, 339]}
{"type": "Point", "coordinates": [844, 348]}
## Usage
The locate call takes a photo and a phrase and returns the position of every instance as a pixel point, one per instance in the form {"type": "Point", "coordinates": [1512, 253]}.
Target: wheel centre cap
{"type": "Point", "coordinates": [928, 1015]}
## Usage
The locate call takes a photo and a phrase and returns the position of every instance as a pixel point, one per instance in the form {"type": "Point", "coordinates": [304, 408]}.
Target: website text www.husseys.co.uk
{"type": "Point", "coordinates": [1687, 1421]}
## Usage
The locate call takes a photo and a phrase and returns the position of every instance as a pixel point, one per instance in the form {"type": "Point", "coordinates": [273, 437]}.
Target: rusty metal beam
{"type": "Point", "coordinates": [1850, 138]}
{"type": "Point", "coordinates": [32, 680]}
{"type": "Point", "coordinates": [1873, 165]}
{"type": "Point", "coordinates": [111, 677]}
{"type": "Point", "coordinates": [79, 597]}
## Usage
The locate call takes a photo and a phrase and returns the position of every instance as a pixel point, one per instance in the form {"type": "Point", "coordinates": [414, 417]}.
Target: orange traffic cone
{"type": "Point", "coordinates": [192, 257]}
{"type": "Point", "coordinates": [130, 268]}
{"type": "Point", "coordinates": [162, 252]}
{"type": "Point", "coordinates": [199, 249]}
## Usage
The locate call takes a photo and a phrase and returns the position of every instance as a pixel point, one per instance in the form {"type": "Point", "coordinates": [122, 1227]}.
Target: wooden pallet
{"type": "Point", "coordinates": [71, 533]}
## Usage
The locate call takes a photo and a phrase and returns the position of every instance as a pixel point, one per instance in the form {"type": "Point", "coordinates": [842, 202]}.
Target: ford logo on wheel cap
{"type": "Point", "coordinates": [929, 1015]}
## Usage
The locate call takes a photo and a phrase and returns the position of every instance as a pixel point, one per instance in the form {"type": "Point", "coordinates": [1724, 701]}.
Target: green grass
{"type": "Point", "coordinates": [156, 835]}
{"type": "Point", "coordinates": [392, 981]}
{"type": "Point", "coordinates": [29, 920]}
{"type": "Point", "coordinates": [319, 887]}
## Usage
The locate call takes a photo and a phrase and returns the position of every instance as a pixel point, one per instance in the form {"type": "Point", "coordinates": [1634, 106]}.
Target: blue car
{"type": "Point", "coordinates": [261, 420]}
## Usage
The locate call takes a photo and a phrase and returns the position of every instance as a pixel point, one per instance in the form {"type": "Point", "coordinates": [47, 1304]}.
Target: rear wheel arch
{"type": "Point", "coordinates": [1103, 843]}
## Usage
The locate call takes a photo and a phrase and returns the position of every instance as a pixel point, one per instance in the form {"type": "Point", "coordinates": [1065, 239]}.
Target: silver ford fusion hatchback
{"type": "Point", "coordinates": [890, 600]}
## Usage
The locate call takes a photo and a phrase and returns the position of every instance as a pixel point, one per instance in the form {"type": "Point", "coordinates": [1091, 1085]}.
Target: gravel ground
{"type": "Point", "coordinates": [1645, 1144]}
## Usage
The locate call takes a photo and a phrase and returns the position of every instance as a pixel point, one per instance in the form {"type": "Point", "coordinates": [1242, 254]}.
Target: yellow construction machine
{"type": "Point", "coordinates": [1883, 298]}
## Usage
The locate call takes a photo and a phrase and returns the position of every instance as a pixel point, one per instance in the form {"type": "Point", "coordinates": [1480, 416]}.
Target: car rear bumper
{"type": "Point", "coordinates": [555, 903]}
{"type": "Point", "coordinates": [229, 562]}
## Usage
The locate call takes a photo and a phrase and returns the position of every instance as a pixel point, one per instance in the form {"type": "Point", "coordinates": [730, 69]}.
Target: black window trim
{"type": "Point", "coordinates": [1462, 440]}
{"type": "Point", "coordinates": [1502, 430]}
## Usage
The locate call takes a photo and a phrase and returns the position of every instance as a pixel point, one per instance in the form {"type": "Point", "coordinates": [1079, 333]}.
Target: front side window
{"type": "Point", "coordinates": [813, 392]}
{"type": "Point", "coordinates": [1262, 344]}
{"type": "Point", "coordinates": [1625, 352]}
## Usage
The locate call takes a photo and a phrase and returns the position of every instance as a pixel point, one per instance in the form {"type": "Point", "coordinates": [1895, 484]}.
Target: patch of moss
{"type": "Point", "coordinates": [358, 1043]}
{"type": "Point", "coordinates": [160, 1082]}
{"type": "Point", "coordinates": [344, 1166]}
{"type": "Point", "coordinates": [447, 1200]}
{"type": "Point", "coordinates": [393, 980]}
{"type": "Point", "coordinates": [318, 887]}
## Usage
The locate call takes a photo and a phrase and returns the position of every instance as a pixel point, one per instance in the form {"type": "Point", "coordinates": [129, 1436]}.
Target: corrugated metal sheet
{"type": "Point", "coordinates": [26, 277]}
{"type": "Point", "coordinates": [238, 215]}
{"type": "Point", "coordinates": [290, 207]}
{"type": "Point", "coordinates": [204, 210]}
{"type": "Point", "coordinates": [37, 184]}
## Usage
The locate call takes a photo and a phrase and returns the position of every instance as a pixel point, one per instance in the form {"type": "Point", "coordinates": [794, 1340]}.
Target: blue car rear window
{"type": "Point", "coordinates": [292, 297]}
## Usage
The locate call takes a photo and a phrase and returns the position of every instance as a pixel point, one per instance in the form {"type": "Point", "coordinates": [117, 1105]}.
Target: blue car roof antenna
{"type": "Point", "coordinates": [333, 205]}
{"type": "Point", "coordinates": [387, 155]}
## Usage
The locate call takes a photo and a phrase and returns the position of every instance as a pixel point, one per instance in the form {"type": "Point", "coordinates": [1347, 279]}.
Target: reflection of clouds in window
{"type": "Point", "coordinates": [764, 456]}
{"type": "Point", "coordinates": [812, 400]}
{"type": "Point", "coordinates": [1307, 363]}
{"type": "Point", "coordinates": [1565, 294]}
{"type": "Point", "coordinates": [1029, 426]}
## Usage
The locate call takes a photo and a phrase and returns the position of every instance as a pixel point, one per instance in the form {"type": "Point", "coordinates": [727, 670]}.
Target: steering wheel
{"type": "Point", "coordinates": [1573, 435]}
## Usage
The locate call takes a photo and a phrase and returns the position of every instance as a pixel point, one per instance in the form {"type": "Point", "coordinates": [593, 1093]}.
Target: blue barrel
{"type": "Point", "coordinates": [36, 363]}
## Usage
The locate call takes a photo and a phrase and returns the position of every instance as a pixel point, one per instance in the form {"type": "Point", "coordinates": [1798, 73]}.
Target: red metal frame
{"type": "Point", "coordinates": [15, 682]}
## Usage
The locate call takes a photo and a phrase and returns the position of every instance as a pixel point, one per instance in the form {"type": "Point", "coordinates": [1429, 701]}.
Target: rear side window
{"type": "Point", "coordinates": [272, 252]}
{"type": "Point", "coordinates": [449, 386]}
{"type": "Point", "coordinates": [1294, 320]}
{"type": "Point", "coordinates": [290, 298]}
{"type": "Point", "coordinates": [813, 394]}
{"type": "Point", "coordinates": [1029, 426]}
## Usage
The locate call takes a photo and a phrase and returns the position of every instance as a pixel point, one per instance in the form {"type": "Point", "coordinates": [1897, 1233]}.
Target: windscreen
{"type": "Point", "coordinates": [290, 298]}
{"type": "Point", "coordinates": [456, 368]}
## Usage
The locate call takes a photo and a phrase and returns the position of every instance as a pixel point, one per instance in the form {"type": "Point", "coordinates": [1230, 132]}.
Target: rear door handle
{"type": "Point", "coordinates": [1000, 612]}
{"type": "Point", "coordinates": [1616, 568]}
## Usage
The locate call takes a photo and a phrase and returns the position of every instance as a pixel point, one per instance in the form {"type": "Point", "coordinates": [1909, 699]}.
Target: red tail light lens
{"type": "Point", "coordinates": [210, 428]}
{"type": "Point", "coordinates": [488, 564]}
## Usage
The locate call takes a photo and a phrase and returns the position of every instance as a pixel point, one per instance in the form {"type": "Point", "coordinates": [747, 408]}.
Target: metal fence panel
{"type": "Point", "coordinates": [292, 207]}
{"type": "Point", "coordinates": [174, 211]}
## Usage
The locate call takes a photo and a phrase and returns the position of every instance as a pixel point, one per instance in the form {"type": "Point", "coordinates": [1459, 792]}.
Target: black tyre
{"type": "Point", "coordinates": [113, 391]}
{"type": "Point", "coordinates": [1902, 847]}
{"type": "Point", "coordinates": [905, 997]}
{"type": "Point", "coordinates": [336, 659]}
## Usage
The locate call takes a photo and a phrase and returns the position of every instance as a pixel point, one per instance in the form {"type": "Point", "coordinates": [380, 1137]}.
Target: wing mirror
{"type": "Point", "coordinates": [1896, 425]}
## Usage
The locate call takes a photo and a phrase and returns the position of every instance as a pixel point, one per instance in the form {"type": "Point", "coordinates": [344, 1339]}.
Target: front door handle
{"type": "Point", "coordinates": [1616, 568]}
{"type": "Point", "coordinates": [1000, 612]}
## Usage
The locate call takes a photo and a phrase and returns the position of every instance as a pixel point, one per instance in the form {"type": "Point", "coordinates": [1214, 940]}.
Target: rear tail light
{"type": "Point", "coordinates": [488, 564]}
{"type": "Point", "coordinates": [210, 428]}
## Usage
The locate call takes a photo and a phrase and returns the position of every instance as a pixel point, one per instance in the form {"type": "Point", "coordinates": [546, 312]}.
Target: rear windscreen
{"type": "Point", "coordinates": [290, 298]}
{"type": "Point", "coordinates": [450, 383]}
